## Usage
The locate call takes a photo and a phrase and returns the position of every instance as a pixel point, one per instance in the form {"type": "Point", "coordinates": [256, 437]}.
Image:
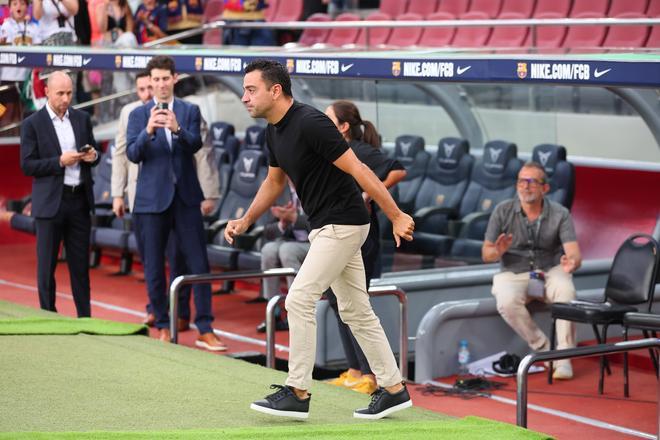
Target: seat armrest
{"type": "Point", "coordinates": [247, 241]}
{"type": "Point", "coordinates": [102, 216]}
{"type": "Point", "coordinates": [422, 214]}
{"type": "Point", "coordinates": [214, 228]}
{"type": "Point", "coordinates": [470, 220]}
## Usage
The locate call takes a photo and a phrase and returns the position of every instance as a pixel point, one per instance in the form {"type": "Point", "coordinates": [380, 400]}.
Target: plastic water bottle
{"type": "Point", "coordinates": [463, 358]}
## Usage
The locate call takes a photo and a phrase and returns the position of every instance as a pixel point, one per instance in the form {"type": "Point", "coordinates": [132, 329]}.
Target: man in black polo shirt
{"type": "Point", "coordinates": [534, 239]}
{"type": "Point", "coordinates": [305, 145]}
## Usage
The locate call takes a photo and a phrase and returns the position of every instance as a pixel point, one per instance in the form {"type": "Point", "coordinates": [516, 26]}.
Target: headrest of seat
{"type": "Point", "coordinates": [248, 163]}
{"type": "Point", "coordinates": [548, 155]}
{"type": "Point", "coordinates": [497, 154]}
{"type": "Point", "coordinates": [450, 152]}
{"type": "Point", "coordinates": [406, 148]}
{"type": "Point", "coordinates": [219, 133]}
{"type": "Point", "coordinates": [255, 137]}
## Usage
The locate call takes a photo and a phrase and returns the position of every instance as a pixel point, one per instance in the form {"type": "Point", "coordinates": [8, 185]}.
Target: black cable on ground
{"type": "Point", "coordinates": [465, 388]}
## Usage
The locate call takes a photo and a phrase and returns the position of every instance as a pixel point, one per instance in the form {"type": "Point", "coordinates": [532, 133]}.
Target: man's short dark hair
{"type": "Point", "coordinates": [272, 73]}
{"type": "Point", "coordinates": [142, 74]}
{"type": "Point", "coordinates": [537, 166]}
{"type": "Point", "coordinates": [162, 62]}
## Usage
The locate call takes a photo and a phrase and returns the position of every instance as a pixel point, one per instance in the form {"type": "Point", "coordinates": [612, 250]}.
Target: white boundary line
{"type": "Point", "coordinates": [127, 311]}
{"type": "Point", "coordinates": [562, 414]}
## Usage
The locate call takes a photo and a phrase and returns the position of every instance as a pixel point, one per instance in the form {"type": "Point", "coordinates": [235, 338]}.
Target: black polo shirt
{"type": "Point", "coordinates": [305, 143]}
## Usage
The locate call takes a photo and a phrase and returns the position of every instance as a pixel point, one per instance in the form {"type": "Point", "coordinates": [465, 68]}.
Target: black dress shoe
{"type": "Point", "coordinates": [279, 326]}
{"type": "Point", "coordinates": [259, 299]}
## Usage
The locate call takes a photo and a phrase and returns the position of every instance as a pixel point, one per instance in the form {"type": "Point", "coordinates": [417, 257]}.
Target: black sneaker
{"type": "Point", "coordinates": [384, 403]}
{"type": "Point", "coordinates": [284, 403]}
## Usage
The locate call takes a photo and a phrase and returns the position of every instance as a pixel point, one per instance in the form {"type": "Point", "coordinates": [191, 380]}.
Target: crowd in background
{"type": "Point", "coordinates": [108, 23]}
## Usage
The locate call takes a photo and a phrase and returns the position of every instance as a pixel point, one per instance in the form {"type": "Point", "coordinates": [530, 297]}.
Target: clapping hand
{"type": "Point", "coordinates": [286, 214]}
{"type": "Point", "coordinates": [503, 243]}
{"type": "Point", "coordinates": [568, 264]}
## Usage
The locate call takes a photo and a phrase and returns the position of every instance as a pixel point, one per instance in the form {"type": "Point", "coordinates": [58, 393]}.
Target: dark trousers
{"type": "Point", "coordinates": [178, 266]}
{"type": "Point", "coordinates": [185, 222]}
{"type": "Point", "coordinates": [72, 224]}
{"type": "Point", "coordinates": [371, 259]}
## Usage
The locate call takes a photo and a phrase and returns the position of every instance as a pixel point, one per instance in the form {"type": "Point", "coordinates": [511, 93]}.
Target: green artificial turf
{"type": "Point", "coordinates": [465, 429]}
{"type": "Point", "coordinates": [55, 326]}
{"type": "Point", "coordinates": [108, 387]}
{"type": "Point", "coordinates": [19, 320]}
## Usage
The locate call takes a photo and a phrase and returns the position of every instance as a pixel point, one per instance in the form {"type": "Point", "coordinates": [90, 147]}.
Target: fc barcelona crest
{"type": "Point", "coordinates": [522, 70]}
{"type": "Point", "coordinates": [396, 68]}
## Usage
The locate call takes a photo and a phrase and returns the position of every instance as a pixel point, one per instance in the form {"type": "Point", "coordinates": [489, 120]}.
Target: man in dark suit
{"type": "Point", "coordinates": [163, 136]}
{"type": "Point", "coordinates": [58, 150]}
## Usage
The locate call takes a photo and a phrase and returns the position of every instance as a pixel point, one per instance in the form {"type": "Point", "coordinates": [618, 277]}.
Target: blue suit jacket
{"type": "Point", "coordinates": [40, 159]}
{"type": "Point", "coordinates": [164, 170]}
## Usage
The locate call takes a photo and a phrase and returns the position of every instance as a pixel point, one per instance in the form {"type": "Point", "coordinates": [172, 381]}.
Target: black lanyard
{"type": "Point", "coordinates": [533, 238]}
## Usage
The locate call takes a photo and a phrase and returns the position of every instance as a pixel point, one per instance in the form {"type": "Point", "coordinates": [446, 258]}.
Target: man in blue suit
{"type": "Point", "coordinates": [162, 137]}
{"type": "Point", "coordinates": [58, 150]}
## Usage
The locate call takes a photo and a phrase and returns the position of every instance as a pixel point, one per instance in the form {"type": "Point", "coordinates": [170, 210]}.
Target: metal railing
{"type": "Point", "coordinates": [373, 292]}
{"type": "Point", "coordinates": [570, 353]}
{"type": "Point", "coordinates": [184, 280]}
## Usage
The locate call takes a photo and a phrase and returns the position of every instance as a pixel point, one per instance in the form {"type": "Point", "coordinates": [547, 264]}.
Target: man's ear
{"type": "Point", "coordinates": [276, 90]}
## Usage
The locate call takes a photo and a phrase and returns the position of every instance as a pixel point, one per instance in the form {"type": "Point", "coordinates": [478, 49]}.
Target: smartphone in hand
{"type": "Point", "coordinates": [161, 106]}
{"type": "Point", "coordinates": [86, 148]}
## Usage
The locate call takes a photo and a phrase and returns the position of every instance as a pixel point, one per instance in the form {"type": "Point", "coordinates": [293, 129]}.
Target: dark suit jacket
{"type": "Point", "coordinates": [40, 158]}
{"type": "Point", "coordinates": [162, 167]}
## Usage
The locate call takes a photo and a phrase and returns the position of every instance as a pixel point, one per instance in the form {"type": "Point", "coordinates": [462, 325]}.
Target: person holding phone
{"type": "Point", "coordinates": [534, 240]}
{"type": "Point", "coordinates": [58, 150]}
{"type": "Point", "coordinates": [124, 182]}
{"type": "Point", "coordinates": [162, 137]}
{"type": "Point", "coordinates": [56, 20]}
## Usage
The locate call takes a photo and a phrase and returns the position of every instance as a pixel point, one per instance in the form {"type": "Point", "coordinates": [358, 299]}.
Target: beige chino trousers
{"type": "Point", "coordinates": [510, 290]}
{"type": "Point", "coordinates": [334, 260]}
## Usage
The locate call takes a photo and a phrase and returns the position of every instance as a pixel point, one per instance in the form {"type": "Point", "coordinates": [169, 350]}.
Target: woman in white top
{"type": "Point", "coordinates": [56, 17]}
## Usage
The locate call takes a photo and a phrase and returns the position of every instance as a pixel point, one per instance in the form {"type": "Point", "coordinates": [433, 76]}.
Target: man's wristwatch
{"type": "Point", "coordinates": [178, 131]}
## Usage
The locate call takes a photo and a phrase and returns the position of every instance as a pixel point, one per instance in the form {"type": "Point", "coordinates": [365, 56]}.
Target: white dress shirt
{"type": "Point", "coordinates": [65, 136]}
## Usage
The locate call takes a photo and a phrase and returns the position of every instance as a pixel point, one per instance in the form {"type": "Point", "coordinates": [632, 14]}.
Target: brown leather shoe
{"type": "Point", "coordinates": [210, 341]}
{"type": "Point", "coordinates": [150, 320]}
{"type": "Point", "coordinates": [183, 324]}
{"type": "Point", "coordinates": [164, 335]}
